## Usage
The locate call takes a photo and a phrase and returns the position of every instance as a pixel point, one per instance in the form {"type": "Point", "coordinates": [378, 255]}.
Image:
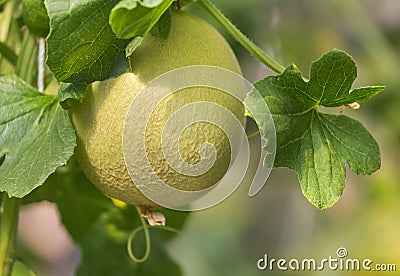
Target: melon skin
{"type": "Point", "coordinates": [99, 119]}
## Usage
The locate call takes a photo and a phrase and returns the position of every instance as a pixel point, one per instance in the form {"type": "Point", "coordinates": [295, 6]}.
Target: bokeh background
{"type": "Point", "coordinates": [229, 238]}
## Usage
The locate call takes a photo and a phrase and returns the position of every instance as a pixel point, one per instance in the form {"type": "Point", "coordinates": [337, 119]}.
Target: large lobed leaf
{"type": "Point", "coordinates": [82, 48]}
{"type": "Point", "coordinates": [316, 145]}
{"type": "Point", "coordinates": [36, 136]}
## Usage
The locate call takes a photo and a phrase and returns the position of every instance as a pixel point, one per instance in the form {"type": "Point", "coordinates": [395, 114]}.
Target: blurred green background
{"type": "Point", "coordinates": [229, 238]}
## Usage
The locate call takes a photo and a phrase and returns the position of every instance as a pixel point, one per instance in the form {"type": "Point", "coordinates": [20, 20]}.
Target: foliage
{"type": "Point", "coordinates": [317, 145]}
{"type": "Point", "coordinates": [36, 136]}
{"type": "Point", "coordinates": [89, 41]}
{"type": "Point", "coordinates": [101, 228]}
{"type": "Point", "coordinates": [82, 48]}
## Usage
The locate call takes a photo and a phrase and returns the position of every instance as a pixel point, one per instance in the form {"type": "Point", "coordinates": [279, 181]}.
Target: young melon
{"type": "Point", "coordinates": [99, 119]}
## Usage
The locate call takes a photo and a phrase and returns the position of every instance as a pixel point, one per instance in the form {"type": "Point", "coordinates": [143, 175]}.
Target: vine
{"type": "Point", "coordinates": [317, 146]}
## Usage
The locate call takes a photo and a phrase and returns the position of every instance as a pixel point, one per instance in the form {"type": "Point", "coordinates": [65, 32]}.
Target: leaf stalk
{"type": "Point", "coordinates": [8, 233]}
{"type": "Point", "coordinates": [241, 38]}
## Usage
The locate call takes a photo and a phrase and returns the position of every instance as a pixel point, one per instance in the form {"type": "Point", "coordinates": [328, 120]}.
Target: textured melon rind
{"type": "Point", "coordinates": [99, 119]}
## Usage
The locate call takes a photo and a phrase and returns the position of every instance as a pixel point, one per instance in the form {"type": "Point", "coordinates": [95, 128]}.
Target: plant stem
{"type": "Point", "coordinates": [9, 207]}
{"type": "Point", "coordinates": [147, 240]}
{"type": "Point", "coordinates": [241, 38]}
{"type": "Point", "coordinates": [9, 210]}
{"type": "Point", "coordinates": [41, 58]}
{"type": "Point", "coordinates": [8, 233]}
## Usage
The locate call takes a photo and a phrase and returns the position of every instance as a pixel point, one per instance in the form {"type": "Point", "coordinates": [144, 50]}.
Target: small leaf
{"type": "Point", "coordinates": [163, 26]}
{"type": "Point", "coordinates": [21, 269]}
{"type": "Point", "coordinates": [35, 131]}
{"type": "Point", "coordinates": [81, 45]}
{"type": "Point", "coordinates": [133, 45]}
{"type": "Point", "coordinates": [128, 19]}
{"type": "Point", "coordinates": [35, 16]}
{"type": "Point", "coordinates": [316, 145]}
{"type": "Point", "coordinates": [70, 91]}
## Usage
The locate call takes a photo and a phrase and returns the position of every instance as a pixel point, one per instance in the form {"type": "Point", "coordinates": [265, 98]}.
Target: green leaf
{"type": "Point", "coordinates": [35, 16]}
{"type": "Point", "coordinates": [70, 91]}
{"type": "Point", "coordinates": [133, 45]}
{"type": "Point", "coordinates": [104, 250]}
{"type": "Point", "coordinates": [316, 145]}
{"type": "Point", "coordinates": [79, 202]}
{"type": "Point", "coordinates": [131, 18]}
{"type": "Point", "coordinates": [81, 45]}
{"type": "Point", "coordinates": [163, 26]}
{"type": "Point", "coordinates": [35, 133]}
{"type": "Point", "coordinates": [20, 269]}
